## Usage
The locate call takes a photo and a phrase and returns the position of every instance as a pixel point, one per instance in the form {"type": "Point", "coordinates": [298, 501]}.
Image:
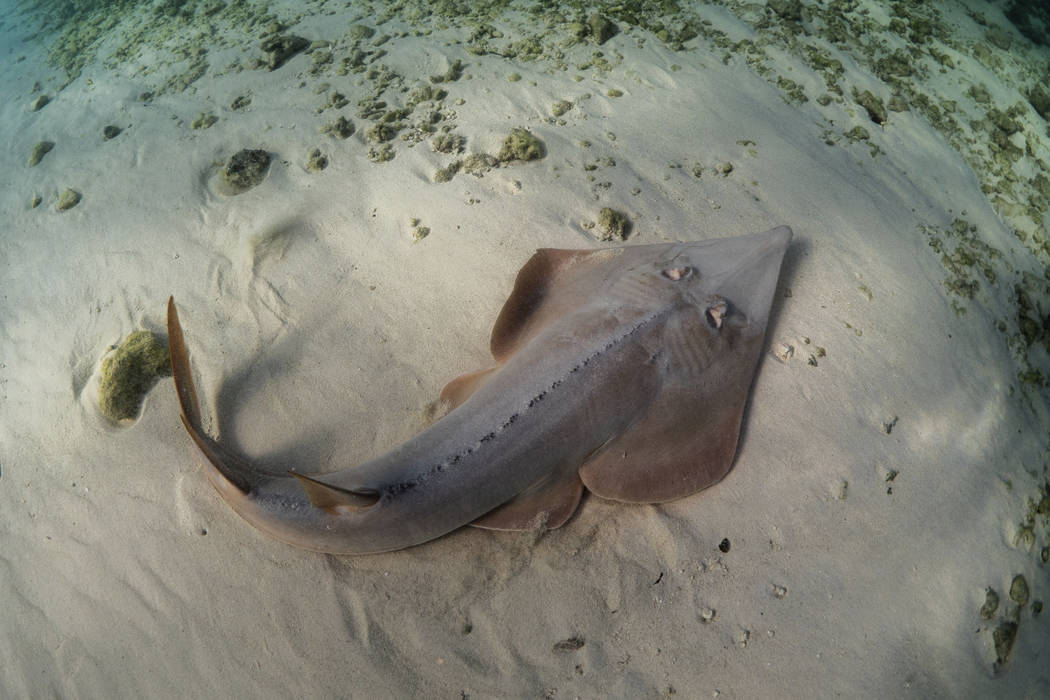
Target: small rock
{"type": "Point", "coordinates": [280, 48]}
{"type": "Point", "coordinates": [204, 120]}
{"type": "Point", "coordinates": [612, 225]}
{"type": "Point", "coordinates": [560, 107]}
{"type": "Point", "coordinates": [316, 161]}
{"type": "Point", "coordinates": [360, 31]}
{"type": "Point", "coordinates": [129, 372]}
{"type": "Point", "coordinates": [991, 604]}
{"type": "Point", "coordinates": [341, 128]}
{"type": "Point", "coordinates": [41, 149]}
{"type": "Point", "coordinates": [1003, 636]}
{"type": "Point", "coordinates": [520, 145]}
{"type": "Point", "coordinates": [68, 200]}
{"type": "Point", "coordinates": [1019, 590]}
{"type": "Point", "coordinates": [602, 29]}
{"type": "Point", "coordinates": [570, 644]}
{"type": "Point", "coordinates": [783, 351]}
{"type": "Point", "coordinates": [245, 169]}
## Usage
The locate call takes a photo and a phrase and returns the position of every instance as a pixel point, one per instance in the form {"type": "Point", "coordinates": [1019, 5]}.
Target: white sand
{"type": "Point", "coordinates": [320, 331]}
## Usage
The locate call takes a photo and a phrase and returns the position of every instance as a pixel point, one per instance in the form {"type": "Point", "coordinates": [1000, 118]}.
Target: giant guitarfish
{"type": "Point", "coordinates": [622, 370]}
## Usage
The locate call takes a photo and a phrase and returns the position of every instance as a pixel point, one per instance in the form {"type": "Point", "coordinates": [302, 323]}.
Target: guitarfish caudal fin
{"type": "Point", "coordinates": [230, 470]}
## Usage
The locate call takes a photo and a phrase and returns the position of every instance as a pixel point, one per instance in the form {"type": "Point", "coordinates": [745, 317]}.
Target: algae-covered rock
{"type": "Point", "coordinates": [446, 174]}
{"type": "Point", "coordinates": [279, 49]}
{"type": "Point", "coordinates": [857, 133]}
{"type": "Point", "coordinates": [68, 199]}
{"type": "Point", "coordinates": [1019, 590]}
{"type": "Point", "coordinates": [612, 225]}
{"type": "Point", "coordinates": [477, 164]}
{"type": "Point", "coordinates": [41, 149]}
{"type": "Point", "coordinates": [1039, 98]}
{"type": "Point", "coordinates": [111, 131]}
{"type": "Point", "coordinates": [1003, 636]}
{"type": "Point", "coordinates": [381, 154]}
{"type": "Point", "coordinates": [602, 29]}
{"type": "Point", "coordinates": [521, 145]}
{"type": "Point", "coordinates": [560, 107]}
{"type": "Point", "coordinates": [341, 128]}
{"type": "Point", "coordinates": [787, 9]}
{"type": "Point", "coordinates": [990, 605]}
{"type": "Point", "coordinates": [39, 103]}
{"type": "Point", "coordinates": [316, 161]}
{"type": "Point", "coordinates": [873, 105]}
{"type": "Point", "coordinates": [359, 32]}
{"type": "Point", "coordinates": [245, 169]}
{"type": "Point", "coordinates": [204, 120]}
{"type": "Point", "coordinates": [129, 372]}
{"type": "Point", "coordinates": [381, 132]}
{"type": "Point", "coordinates": [448, 142]}
{"type": "Point", "coordinates": [418, 230]}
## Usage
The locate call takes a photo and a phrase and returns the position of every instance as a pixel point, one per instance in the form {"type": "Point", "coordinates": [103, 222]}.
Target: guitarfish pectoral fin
{"type": "Point", "coordinates": [328, 497]}
{"type": "Point", "coordinates": [687, 439]}
{"type": "Point", "coordinates": [547, 505]}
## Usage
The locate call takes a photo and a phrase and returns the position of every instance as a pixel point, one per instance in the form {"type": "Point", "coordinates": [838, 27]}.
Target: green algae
{"type": "Point", "coordinates": [477, 164]}
{"type": "Point", "coordinates": [990, 606]}
{"type": "Point", "coordinates": [204, 120]}
{"type": "Point", "coordinates": [41, 149]}
{"type": "Point", "coordinates": [341, 128]}
{"type": "Point", "coordinates": [446, 174]}
{"type": "Point", "coordinates": [1004, 637]}
{"type": "Point", "coordinates": [68, 199]}
{"type": "Point", "coordinates": [381, 153]}
{"type": "Point", "coordinates": [612, 225]}
{"type": "Point", "coordinates": [417, 230]}
{"type": "Point", "coordinates": [360, 32]}
{"type": "Point", "coordinates": [448, 142]}
{"type": "Point", "coordinates": [129, 372]}
{"type": "Point", "coordinates": [245, 169]}
{"type": "Point", "coordinates": [520, 144]}
{"type": "Point", "coordinates": [1019, 590]}
{"type": "Point", "coordinates": [316, 161]}
{"type": "Point", "coordinates": [561, 107]}
{"type": "Point", "coordinates": [601, 28]}
{"type": "Point", "coordinates": [873, 105]}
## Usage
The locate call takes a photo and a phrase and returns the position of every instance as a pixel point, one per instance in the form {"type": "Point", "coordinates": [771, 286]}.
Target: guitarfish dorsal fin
{"type": "Point", "coordinates": [328, 497]}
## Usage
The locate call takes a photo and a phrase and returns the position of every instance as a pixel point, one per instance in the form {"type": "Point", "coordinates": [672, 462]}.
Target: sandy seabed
{"type": "Point", "coordinates": [891, 472]}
